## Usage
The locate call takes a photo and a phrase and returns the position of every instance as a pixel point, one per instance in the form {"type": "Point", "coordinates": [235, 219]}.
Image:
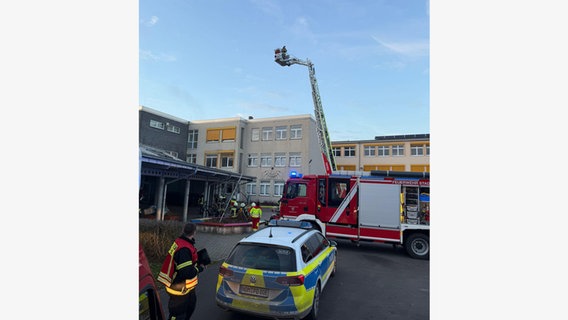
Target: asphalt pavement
{"type": "Point", "coordinates": [219, 245]}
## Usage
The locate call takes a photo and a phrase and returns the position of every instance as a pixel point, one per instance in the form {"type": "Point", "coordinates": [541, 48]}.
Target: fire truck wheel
{"type": "Point", "coordinates": [418, 246]}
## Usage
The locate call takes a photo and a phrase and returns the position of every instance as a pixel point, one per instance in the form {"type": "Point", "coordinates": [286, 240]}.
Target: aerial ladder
{"type": "Point", "coordinates": [282, 57]}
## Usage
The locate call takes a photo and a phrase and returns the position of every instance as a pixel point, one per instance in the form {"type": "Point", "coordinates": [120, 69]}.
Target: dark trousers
{"type": "Point", "coordinates": [182, 307]}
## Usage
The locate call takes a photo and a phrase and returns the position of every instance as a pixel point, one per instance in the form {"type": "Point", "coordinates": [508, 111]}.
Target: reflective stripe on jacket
{"type": "Point", "coordinates": [180, 289]}
{"type": "Point", "coordinates": [170, 268]}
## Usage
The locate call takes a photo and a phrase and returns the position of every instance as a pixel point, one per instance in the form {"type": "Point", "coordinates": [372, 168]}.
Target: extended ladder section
{"type": "Point", "coordinates": [282, 57]}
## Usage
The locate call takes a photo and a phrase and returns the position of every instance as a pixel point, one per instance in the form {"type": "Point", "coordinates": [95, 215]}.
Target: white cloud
{"type": "Point", "coordinates": [151, 22]}
{"type": "Point", "coordinates": [148, 55]}
{"type": "Point", "coordinates": [269, 7]}
{"type": "Point", "coordinates": [410, 48]}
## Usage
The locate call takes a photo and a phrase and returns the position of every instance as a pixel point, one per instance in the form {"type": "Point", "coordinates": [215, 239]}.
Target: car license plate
{"type": "Point", "coordinates": [254, 291]}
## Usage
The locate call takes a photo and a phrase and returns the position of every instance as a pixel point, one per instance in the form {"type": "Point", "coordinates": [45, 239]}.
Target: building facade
{"type": "Point", "coordinates": [161, 130]}
{"type": "Point", "coordinates": [269, 149]}
{"type": "Point", "coordinates": [409, 152]}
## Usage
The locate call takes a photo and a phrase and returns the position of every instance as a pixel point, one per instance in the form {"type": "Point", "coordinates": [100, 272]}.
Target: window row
{"type": "Point", "coordinates": [385, 167]}
{"type": "Point", "coordinates": [215, 160]}
{"type": "Point", "coordinates": [221, 134]}
{"type": "Point", "coordinates": [383, 151]}
{"type": "Point", "coordinates": [279, 159]}
{"type": "Point", "coordinates": [160, 125]}
{"type": "Point", "coordinates": [265, 188]}
{"type": "Point", "coordinates": [277, 133]}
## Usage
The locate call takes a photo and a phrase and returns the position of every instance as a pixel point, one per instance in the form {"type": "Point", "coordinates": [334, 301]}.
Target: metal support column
{"type": "Point", "coordinates": [186, 200]}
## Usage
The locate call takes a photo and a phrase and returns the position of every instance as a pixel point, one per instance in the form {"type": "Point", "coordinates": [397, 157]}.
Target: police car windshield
{"type": "Point", "coordinates": [270, 258]}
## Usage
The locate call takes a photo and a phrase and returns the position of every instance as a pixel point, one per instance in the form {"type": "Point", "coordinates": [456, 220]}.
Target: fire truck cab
{"type": "Point", "coordinates": [383, 207]}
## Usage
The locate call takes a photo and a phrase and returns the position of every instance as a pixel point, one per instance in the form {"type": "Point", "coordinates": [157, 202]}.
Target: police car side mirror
{"type": "Point", "coordinates": [333, 243]}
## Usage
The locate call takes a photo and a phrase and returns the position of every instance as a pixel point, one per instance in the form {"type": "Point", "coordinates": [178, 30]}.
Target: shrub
{"type": "Point", "coordinates": [156, 237]}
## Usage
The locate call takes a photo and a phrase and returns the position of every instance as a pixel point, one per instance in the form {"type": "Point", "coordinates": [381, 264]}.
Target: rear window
{"type": "Point", "coordinates": [270, 258]}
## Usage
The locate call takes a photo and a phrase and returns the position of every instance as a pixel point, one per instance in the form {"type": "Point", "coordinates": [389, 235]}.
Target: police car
{"type": "Point", "coordinates": [277, 272]}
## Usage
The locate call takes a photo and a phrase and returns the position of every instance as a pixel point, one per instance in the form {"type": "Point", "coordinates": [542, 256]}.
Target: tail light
{"type": "Point", "coordinates": [291, 280]}
{"type": "Point", "coordinates": [225, 272]}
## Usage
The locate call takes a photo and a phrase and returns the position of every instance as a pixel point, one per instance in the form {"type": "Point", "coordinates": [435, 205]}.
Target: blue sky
{"type": "Point", "coordinates": [202, 60]}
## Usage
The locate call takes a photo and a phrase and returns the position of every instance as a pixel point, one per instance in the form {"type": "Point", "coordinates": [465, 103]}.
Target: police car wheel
{"type": "Point", "coordinates": [315, 304]}
{"type": "Point", "coordinates": [334, 268]}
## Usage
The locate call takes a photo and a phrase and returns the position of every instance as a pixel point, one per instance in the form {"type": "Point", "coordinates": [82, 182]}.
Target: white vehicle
{"type": "Point", "coordinates": [277, 272]}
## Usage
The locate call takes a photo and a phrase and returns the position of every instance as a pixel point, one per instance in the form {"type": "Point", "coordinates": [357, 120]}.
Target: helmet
{"type": "Point", "coordinates": [242, 204]}
{"type": "Point", "coordinates": [253, 204]}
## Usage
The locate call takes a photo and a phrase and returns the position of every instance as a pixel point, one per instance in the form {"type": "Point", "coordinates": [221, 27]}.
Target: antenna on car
{"type": "Point", "coordinates": [270, 235]}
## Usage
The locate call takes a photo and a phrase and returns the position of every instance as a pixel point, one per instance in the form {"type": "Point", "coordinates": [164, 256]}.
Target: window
{"type": "Point", "coordinates": [255, 134]}
{"type": "Point", "coordinates": [228, 134]}
{"type": "Point", "coordinates": [338, 190]}
{"type": "Point", "coordinates": [253, 160]}
{"type": "Point", "coordinates": [383, 151]}
{"type": "Point", "coordinates": [295, 159]}
{"type": "Point", "coordinates": [427, 149]}
{"type": "Point", "coordinates": [226, 160]}
{"type": "Point", "coordinates": [278, 188]}
{"type": "Point", "coordinates": [266, 159]}
{"type": "Point", "coordinates": [416, 150]}
{"type": "Point", "coordinates": [191, 158]}
{"type": "Point", "coordinates": [280, 160]}
{"type": "Point", "coordinates": [221, 134]}
{"type": "Point", "coordinates": [419, 168]}
{"type": "Point", "coordinates": [263, 257]}
{"type": "Point", "coordinates": [369, 151]}
{"type": "Point", "coordinates": [192, 137]}
{"type": "Point", "coordinates": [213, 135]}
{"type": "Point", "coordinates": [211, 160]}
{"type": "Point", "coordinates": [398, 150]}
{"type": "Point", "coordinates": [265, 188]}
{"type": "Point", "coordinates": [157, 124]}
{"type": "Point", "coordinates": [251, 188]}
{"type": "Point", "coordinates": [296, 190]}
{"type": "Point", "coordinates": [316, 244]}
{"type": "Point", "coordinates": [296, 131]}
{"type": "Point", "coordinates": [337, 151]}
{"type": "Point", "coordinates": [281, 133]}
{"type": "Point", "coordinates": [349, 151]}
{"type": "Point", "coordinates": [267, 134]}
{"type": "Point", "coordinates": [321, 191]}
{"type": "Point", "coordinates": [172, 128]}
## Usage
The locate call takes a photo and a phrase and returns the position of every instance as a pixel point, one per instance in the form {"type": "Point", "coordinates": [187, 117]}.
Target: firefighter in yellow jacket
{"type": "Point", "coordinates": [179, 274]}
{"type": "Point", "coordinates": [255, 214]}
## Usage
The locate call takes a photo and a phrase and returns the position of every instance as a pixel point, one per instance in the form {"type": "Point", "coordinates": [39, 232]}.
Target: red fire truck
{"type": "Point", "coordinates": [385, 206]}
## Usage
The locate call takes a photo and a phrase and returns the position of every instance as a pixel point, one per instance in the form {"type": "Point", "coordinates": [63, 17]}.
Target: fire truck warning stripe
{"type": "Point", "coordinates": [344, 204]}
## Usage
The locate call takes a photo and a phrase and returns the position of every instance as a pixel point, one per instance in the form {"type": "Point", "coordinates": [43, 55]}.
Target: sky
{"type": "Point", "coordinates": [202, 60]}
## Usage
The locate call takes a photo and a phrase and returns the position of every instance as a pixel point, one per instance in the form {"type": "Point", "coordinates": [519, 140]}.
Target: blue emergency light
{"type": "Point", "coordinates": [295, 174]}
